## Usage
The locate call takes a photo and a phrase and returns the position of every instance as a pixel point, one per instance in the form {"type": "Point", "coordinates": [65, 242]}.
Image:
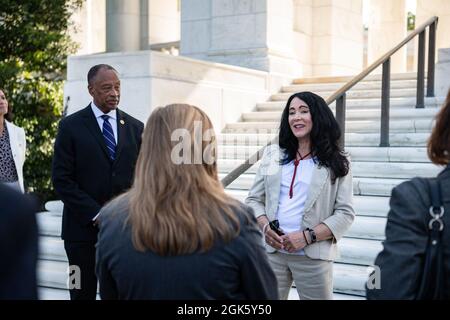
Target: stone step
{"type": "Point", "coordinates": [229, 157]}
{"type": "Point", "coordinates": [365, 85]}
{"type": "Point", "coordinates": [351, 126]}
{"type": "Point", "coordinates": [353, 94]}
{"type": "Point", "coordinates": [293, 295]}
{"type": "Point", "coordinates": [351, 139]}
{"type": "Point", "coordinates": [49, 224]}
{"type": "Point", "coordinates": [348, 279]}
{"type": "Point", "coordinates": [370, 228]}
{"type": "Point", "coordinates": [359, 251]}
{"type": "Point", "coordinates": [395, 103]}
{"type": "Point", "coordinates": [361, 186]}
{"type": "Point", "coordinates": [45, 293]}
{"type": "Point", "coordinates": [352, 114]}
{"type": "Point", "coordinates": [370, 77]}
{"type": "Point", "coordinates": [52, 248]}
{"type": "Point", "coordinates": [374, 186]}
{"type": "Point", "coordinates": [54, 206]}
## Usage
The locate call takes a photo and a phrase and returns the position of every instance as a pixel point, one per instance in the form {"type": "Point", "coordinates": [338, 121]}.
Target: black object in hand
{"type": "Point", "coordinates": [275, 226]}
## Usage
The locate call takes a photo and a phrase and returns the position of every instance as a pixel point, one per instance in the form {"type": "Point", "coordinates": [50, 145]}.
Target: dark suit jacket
{"type": "Point", "coordinates": [401, 261]}
{"type": "Point", "coordinates": [236, 270]}
{"type": "Point", "coordinates": [18, 245]}
{"type": "Point", "coordinates": [84, 176]}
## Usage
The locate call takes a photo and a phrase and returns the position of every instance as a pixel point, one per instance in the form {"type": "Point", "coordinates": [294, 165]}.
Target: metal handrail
{"type": "Point", "coordinates": [340, 95]}
{"type": "Point", "coordinates": [378, 62]}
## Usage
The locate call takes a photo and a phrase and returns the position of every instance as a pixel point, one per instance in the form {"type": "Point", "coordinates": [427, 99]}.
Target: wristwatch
{"type": "Point", "coordinates": [312, 235]}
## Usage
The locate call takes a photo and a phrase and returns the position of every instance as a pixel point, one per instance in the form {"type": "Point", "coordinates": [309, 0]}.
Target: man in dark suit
{"type": "Point", "coordinates": [18, 245]}
{"type": "Point", "coordinates": [95, 153]}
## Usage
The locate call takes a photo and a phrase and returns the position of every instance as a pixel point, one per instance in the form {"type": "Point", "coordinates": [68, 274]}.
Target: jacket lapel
{"type": "Point", "coordinates": [319, 177]}
{"type": "Point", "coordinates": [121, 127]}
{"type": "Point", "coordinates": [92, 124]}
{"type": "Point", "coordinates": [273, 181]}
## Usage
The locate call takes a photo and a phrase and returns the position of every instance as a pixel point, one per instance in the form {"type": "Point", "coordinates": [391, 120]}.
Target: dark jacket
{"type": "Point", "coordinates": [18, 245]}
{"type": "Point", "coordinates": [84, 176]}
{"type": "Point", "coordinates": [401, 261]}
{"type": "Point", "coordinates": [237, 270]}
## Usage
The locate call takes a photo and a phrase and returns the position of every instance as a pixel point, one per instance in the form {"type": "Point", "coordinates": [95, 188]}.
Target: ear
{"type": "Point", "coordinates": [91, 90]}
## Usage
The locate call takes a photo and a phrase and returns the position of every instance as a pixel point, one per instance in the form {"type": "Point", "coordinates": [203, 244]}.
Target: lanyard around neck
{"type": "Point", "coordinates": [296, 162]}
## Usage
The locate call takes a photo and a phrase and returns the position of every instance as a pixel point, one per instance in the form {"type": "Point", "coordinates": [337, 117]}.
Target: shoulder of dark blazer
{"type": "Point", "coordinates": [245, 215]}
{"type": "Point", "coordinates": [418, 188]}
{"type": "Point", "coordinates": [131, 120]}
{"type": "Point", "coordinates": [115, 211]}
{"type": "Point", "coordinates": [76, 116]}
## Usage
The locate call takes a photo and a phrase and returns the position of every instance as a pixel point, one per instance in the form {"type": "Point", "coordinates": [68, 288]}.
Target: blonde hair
{"type": "Point", "coordinates": [178, 208]}
{"type": "Point", "coordinates": [439, 143]}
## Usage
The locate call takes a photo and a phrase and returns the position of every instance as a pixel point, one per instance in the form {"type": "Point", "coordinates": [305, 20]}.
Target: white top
{"type": "Point", "coordinates": [112, 118]}
{"type": "Point", "coordinates": [290, 211]}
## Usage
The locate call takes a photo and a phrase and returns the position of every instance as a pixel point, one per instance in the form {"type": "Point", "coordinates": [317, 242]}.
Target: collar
{"type": "Point", "coordinates": [98, 113]}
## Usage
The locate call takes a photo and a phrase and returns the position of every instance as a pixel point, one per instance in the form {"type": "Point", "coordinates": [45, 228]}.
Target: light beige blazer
{"type": "Point", "coordinates": [18, 146]}
{"type": "Point", "coordinates": [331, 204]}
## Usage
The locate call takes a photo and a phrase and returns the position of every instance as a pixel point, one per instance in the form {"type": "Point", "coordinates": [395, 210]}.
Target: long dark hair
{"type": "Point", "coordinates": [439, 143]}
{"type": "Point", "coordinates": [325, 134]}
{"type": "Point", "coordinates": [8, 116]}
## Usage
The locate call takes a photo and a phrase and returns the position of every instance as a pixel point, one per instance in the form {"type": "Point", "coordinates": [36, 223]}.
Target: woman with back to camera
{"type": "Point", "coordinates": [401, 262]}
{"type": "Point", "coordinates": [176, 234]}
{"type": "Point", "coordinates": [12, 147]}
{"type": "Point", "coordinates": [303, 191]}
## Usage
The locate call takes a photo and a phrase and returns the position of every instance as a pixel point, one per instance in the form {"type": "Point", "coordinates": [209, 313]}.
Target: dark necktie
{"type": "Point", "coordinates": [108, 134]}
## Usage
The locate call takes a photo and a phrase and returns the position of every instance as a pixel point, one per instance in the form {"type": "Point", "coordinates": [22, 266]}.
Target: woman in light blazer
{"type": "Point", "coordinates": [304, 187]}
{"type": "Point", "coordinates": [12, 147]}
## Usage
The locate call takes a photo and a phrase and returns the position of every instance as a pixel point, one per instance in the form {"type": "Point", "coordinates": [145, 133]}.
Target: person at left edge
{"type": "Point", "coordinates": [12, 147]}
{"type": "Point", "coordinates": [96, 150]}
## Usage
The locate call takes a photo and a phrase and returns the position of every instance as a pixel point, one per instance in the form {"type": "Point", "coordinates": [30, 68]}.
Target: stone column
{"type": "Point", "coordinates": [164, 21]}
{"type": "Point", "coordinates": [442, 80]}
{"type": "Point", "coordinates": [387, 27]}
{"type": "Point", "coordinates": [89, 23]}
{"type": "Point", "coordinates": [441, 8]}
{"type": "Point", "coordinates": [123, 25]}
{"type": "Point", "coordinates": [256, 34]}
{"type": "Point", "coordinates": [337, 37]}
{"type": "Point", "coordinates": [303, 14]}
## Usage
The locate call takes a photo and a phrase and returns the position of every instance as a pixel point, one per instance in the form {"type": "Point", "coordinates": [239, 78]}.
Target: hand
{"type": "Point", "coordinates": [273, 240]}
{"type": "Point", "coordinates": [294, 241]}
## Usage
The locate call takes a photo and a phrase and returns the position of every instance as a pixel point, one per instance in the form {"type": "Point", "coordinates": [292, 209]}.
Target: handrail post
{"type": "Point", "coordinates": [340, 117]}
{"type": "Point", "coordinates": [431, 59]}
{"type": "Point", "coordinates": [421, 72]}
{"type": "Point", "coordinates": [385, 96]}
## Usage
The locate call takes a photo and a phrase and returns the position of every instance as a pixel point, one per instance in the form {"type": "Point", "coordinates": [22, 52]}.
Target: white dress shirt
{"type": "Point", "coordinates": [290, 211]}
{"type": "Point", "coordinates": [112, 119]}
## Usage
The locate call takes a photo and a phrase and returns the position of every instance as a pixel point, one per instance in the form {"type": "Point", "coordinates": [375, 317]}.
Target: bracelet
{"type": "Point", "coordinates": [312, 234]}
{"type": "Point", "coordinates": [265, 228]}
{"type": "Point", "coordinates": [304, 235]}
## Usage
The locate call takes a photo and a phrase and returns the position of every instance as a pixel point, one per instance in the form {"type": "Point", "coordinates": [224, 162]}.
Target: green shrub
{"type": "Point", "coordinates": [34, 45]}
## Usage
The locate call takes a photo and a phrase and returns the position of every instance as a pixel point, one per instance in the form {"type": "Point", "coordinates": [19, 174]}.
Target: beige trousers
{"type": "Point", "coordinates": [313, 278]}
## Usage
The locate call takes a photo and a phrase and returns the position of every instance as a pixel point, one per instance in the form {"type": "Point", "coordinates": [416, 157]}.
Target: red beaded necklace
{"type": "Point", "coordinates": [296, 162]}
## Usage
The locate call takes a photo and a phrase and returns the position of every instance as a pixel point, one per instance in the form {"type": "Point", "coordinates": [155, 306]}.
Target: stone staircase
{"type": "Point", "coordinates": [376, 171]}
